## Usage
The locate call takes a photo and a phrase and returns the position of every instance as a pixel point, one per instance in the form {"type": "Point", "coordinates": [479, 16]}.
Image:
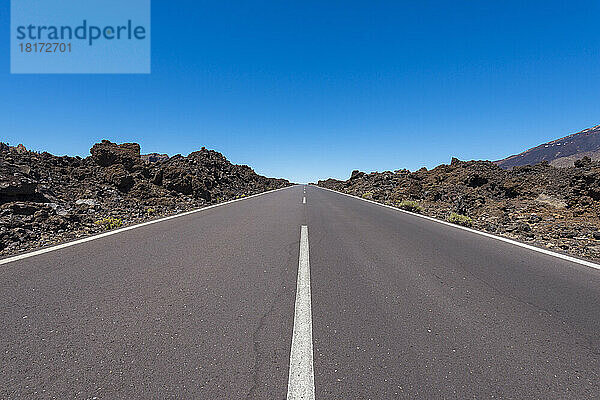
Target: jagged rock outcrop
{"type": "Point", "coordinates": [553, 207]}
{"type": "Point", "coordinates": [45, 199]}
{"type": "Point", "coordinates": [107, 153]}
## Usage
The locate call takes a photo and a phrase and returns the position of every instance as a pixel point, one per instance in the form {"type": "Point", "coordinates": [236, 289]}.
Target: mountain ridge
{"type": "Point", "coordinates": [560, 152]}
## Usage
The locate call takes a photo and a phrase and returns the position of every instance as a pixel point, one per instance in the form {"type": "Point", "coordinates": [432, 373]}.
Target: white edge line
{"type": "Point", "coordinates": [301, 377]}
{"type": "Point", "coordinates": [486, 234]}
{"type": "Point", "coordinates": [127, 228]}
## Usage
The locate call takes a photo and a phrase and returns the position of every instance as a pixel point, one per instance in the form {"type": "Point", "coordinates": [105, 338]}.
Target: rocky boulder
{"type": "Point", "coordinates": [108, 153]}
{"type": "Point", "coordinates": [119, 177]}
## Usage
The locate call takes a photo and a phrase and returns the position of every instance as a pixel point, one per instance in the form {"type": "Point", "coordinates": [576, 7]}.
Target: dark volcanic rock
{"type": "Point", "coordinates": [547, 206]}
{"type": "Point", "coordinates": [107, 153]}
{"type": "Point", "coordinates": [17, 188]}
{"type": "Point", "coordinates": [18, 182]}
{"type": "Point", "coordinates": [356, 174]}
{"type": "Point", "coordinates": [45, 199]}
{"type": "Point", "coordinates": [119, 177]}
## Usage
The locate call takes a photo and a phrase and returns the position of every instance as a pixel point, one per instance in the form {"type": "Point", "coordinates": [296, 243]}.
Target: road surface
{"type": "Point", "coordinates": [298, 293]}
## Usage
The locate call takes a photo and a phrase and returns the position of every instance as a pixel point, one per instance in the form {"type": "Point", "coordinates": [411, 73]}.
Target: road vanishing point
{"type": "Point", "coordinates": [298, 293]}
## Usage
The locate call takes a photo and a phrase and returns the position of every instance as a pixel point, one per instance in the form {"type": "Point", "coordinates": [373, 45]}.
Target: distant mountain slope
{"type": "Point", "coordinates": [560, 152]}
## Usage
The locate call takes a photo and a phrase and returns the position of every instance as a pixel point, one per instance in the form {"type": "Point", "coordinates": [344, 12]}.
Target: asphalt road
{"type": "Point", "coordinates": [224, 304]}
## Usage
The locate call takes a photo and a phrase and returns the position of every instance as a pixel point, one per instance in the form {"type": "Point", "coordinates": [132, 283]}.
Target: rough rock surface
{"type": "Point", "coordinates": [45, 199]}
{"type": "Point", "coordinates": [556, 208]}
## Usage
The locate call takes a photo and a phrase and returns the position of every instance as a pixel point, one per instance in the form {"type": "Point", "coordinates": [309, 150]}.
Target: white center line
{"type": "Point", "coordinates": [301, 382]}
{"type": "Point", "coordinates": [304, 200]}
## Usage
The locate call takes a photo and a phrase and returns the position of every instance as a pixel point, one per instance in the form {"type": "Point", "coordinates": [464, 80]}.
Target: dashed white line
{"type": "Point", "coordinates": [301, 382]}
{"type": "Point", "coordinates": [304, 200]}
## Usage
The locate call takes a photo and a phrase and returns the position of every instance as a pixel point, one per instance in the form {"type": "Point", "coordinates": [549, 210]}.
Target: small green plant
{"type": "Point", "coordinates": [109, 223]}
{"type": "Point", "coordinates": [367, 195]}
{"type": "Point", "coordinates": [150, 211]}
{"type": "Point", "coordinates": [460, 219]}
{"type": "Point", "coordinates": [409, 205]}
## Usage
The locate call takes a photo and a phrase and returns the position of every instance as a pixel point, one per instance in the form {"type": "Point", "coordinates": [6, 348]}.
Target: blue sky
{"type": "Point", "coordinates": [309, 90]}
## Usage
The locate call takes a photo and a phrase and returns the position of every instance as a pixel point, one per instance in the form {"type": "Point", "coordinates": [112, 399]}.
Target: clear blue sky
{"type": "Point", "coordinates": [314, 89]}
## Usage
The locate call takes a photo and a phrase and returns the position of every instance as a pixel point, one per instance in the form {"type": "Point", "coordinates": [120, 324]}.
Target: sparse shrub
{"type": "Point", "coordinates": [109, 223]}
{"type": "Point", "coordinates": [367, 195]}
{"type": "Point", "coordinates": [460, 219]}
{"type": "Point", "coordinates": [150, 211]}
{"type": "Point", "coordinates": [410, 205]}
